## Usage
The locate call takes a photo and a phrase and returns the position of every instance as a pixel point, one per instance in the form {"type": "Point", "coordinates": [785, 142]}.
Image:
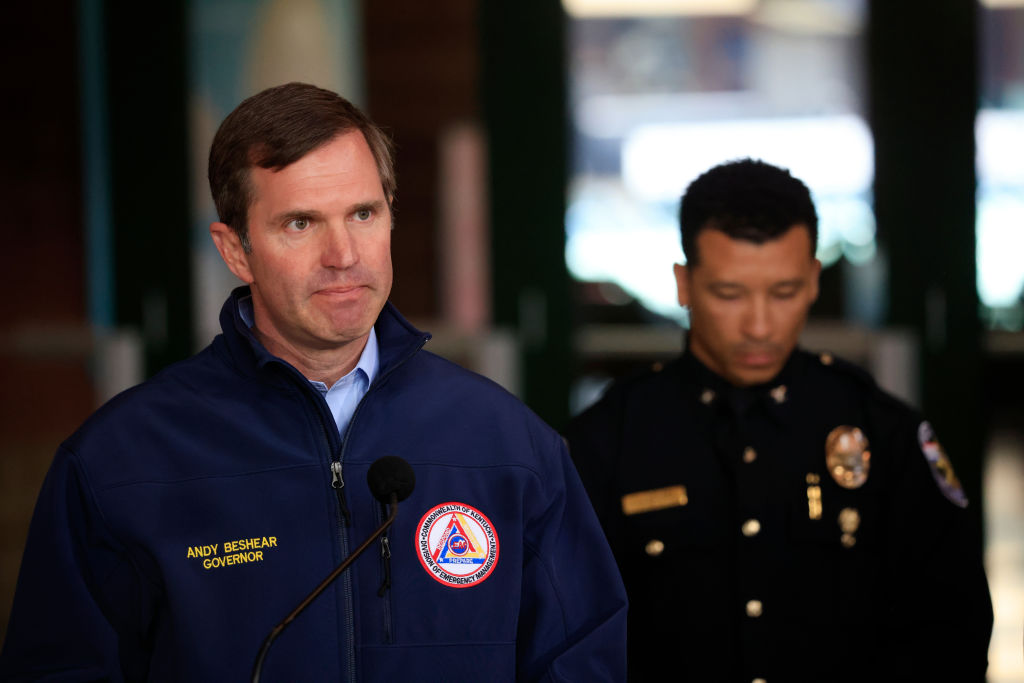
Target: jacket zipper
{"type": "Point", "coordinates": [337, 483]}
{"type": "Point", "coordinates": [385, 587]}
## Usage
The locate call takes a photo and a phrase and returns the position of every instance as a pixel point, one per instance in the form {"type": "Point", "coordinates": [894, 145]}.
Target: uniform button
{"type": "Point", "coordinates": [827, 358]}
{"type": "Point", "coordinates": [751, 528]}
{"type": "Point", "coordinates": [754, 608]}
{"type": "Point", "coordinates": [749, 455]}
{"type": "Point", "coordinates": [758, 680]}
{"type": "Point", "coordinates": [654, 547]}
{"type": "Point", "coordinates": [707, 396]}
{"type": "Point", "coordinates": [657, 366]}
{"type": "Point", "coordinates": [778, 394]}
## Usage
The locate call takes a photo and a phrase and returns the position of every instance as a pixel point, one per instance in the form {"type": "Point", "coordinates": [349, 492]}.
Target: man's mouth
{"type": "Point", "coordinates": [757, 358]}
{"type": "Point", "coordinates": [341, 291]}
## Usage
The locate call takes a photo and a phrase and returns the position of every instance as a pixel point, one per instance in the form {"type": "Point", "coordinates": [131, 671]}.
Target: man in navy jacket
{"type": "Point", "coordinates": [190, 514]}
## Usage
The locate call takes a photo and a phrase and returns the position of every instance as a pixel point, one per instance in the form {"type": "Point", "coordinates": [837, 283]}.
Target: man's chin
{"type": "Point", "coordinates": [751, 375]}
{"type": "Point", "coordinates": [341, 327]}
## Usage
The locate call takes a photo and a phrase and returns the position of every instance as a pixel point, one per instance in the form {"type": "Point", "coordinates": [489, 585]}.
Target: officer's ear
{"type": "Point", "coordinates": [683, 283]}
{"type": "Point", "coordinates": [815, 277]}
{"type": "Point", "coordinates": [230, 247]}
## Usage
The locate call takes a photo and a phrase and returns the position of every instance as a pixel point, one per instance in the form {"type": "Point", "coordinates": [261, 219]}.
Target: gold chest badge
{"type": "Point", "coordinates": [847, 456]}
{"type": "Point", "coordinates": [849, 522]}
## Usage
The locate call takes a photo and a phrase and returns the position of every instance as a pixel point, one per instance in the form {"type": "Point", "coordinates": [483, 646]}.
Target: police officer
{"type": "Point", "coordinates": [775, 515]}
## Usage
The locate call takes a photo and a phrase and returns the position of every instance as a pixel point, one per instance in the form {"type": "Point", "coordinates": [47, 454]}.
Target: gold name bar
{"type": "Point", "coordinates": [655, 499]}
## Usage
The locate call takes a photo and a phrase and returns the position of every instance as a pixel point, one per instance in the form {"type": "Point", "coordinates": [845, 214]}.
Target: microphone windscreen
{"type": "Point", "coordinates": [390, 474]}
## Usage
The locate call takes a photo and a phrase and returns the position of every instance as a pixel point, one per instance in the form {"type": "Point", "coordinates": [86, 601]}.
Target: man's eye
{"type": "Point", "coordinates": [298, 223]}
{"type": "Point", "coordinates": [788, 293]}
{"type": "Point", "coordinates": [364, 214]}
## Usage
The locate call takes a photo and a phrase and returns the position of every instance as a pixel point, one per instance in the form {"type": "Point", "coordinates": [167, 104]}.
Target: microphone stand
{"type": "Point", "coordinates": [258, 664]}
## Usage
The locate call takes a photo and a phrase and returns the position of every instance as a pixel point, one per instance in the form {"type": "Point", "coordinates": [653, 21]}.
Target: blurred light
{"type": "Point", "coordinates": [1000, 242]}
{"type": "Point", "coordinates": [860, 254]}
{"type": "Point", "coordinates": [811, 16]}
{"type": "Point", "coordinates": [614, 116]}
{"type": "Point", "coordinates": [591, 9]}
{"type": "Point", "coordinates": [829, 252]}
{"type": "Point", "coordinates": [832, 154]}
{"type": "Point", "coordinates": [1000, 139]}
{"type": "Point", "coordinates": [611, 237]}
{"type": "Point", "coordinates": [846, 227]}
{"type": "Point", "coordinates": [1000, 223]}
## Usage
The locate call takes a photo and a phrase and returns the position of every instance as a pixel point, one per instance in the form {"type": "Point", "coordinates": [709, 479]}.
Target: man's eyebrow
{"type": "Point", "coordinates": [313, 214]}
{"type": "Point", "coordinates": [292, 214]}
{"type": "Point", "coordinates": [375, 205]}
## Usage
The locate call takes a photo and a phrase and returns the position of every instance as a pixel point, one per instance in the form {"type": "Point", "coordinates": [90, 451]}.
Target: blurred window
{"type": "Point", "coordinates": [999, 132]}
{"type": "Point", "coordinates": [663, 90]}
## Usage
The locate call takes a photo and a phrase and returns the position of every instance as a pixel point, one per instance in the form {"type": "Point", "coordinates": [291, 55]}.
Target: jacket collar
{"type": "Point", "coordinates": [397, 339]}
{"type": "Point", "coordinates": [714, 390]}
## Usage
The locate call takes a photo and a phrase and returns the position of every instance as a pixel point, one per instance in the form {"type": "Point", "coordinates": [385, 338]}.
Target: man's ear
{"type": "Point", "coordinates": [230, 248]}
{"type": "Point", "coordinates": [682, 283]}
{"type": "Point", "coordinates": [815, 277]}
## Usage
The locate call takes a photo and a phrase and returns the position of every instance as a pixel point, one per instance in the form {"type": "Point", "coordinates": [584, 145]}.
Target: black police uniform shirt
{"type": "Point", "coordinates": [808, 529]}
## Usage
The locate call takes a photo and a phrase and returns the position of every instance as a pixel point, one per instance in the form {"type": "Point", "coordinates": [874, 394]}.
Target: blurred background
{"type": "Point", "coordinates": [542, 147]}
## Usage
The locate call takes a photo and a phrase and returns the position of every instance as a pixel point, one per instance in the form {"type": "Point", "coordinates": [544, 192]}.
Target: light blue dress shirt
{"type": "Point", "coordinates": [347, 392]}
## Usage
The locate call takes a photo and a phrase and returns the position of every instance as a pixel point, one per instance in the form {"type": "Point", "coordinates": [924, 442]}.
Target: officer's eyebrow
{"type": "Point", "coordinates": [726, 284]}
{"type": "Point", "coordinates": [794, 282]}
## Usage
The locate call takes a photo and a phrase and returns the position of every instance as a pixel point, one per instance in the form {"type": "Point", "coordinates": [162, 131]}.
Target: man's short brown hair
{"type": "Point", "coordinates": [275, 128]}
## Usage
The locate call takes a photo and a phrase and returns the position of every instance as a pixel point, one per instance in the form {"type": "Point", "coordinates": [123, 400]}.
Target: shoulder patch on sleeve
{"type": "Point", "coordinates": [939, 464]}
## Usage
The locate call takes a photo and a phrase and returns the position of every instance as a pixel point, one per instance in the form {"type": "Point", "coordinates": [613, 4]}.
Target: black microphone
{"type": "Point", "coordinates": [391, 480]}
{"type": "Point", "coordinates": [390, 475]}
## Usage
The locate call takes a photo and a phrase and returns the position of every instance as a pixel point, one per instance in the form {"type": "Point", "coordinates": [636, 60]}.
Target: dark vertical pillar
{"type": "Point", "coordinates": [45, 387]}
{"type": "Point", "coordinates": [923, 98]}
{"type": "Point", "coordinates": [150, 200]}
{"type": "Point", "coordinates": [524, 92]}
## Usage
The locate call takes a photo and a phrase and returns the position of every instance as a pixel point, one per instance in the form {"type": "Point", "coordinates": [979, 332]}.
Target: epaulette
{"type": "Point", "coordinates": [833, 362]}
{"type": "Point", "coordinates": [643, 374]}
{"type": "Point", "coordinates": [853, 371]}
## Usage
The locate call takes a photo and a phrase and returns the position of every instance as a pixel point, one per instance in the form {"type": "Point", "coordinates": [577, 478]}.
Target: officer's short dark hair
{"type": "Point", "coordinates": [746, 199]}
{"type": "Point", "coordinates": [275, 128]}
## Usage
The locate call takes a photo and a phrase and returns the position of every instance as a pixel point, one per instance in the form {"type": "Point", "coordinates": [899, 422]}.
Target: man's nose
{"type": "Point", "coordinates": [338, 249]}
{"type": "Point", "coordinates": [757, 323]}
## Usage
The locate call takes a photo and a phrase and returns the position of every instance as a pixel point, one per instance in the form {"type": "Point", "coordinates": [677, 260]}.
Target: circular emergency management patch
{"type": "Point", "coordinates": [457, 544]}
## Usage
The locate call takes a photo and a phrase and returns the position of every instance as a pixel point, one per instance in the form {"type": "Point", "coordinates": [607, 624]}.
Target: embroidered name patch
{"type": "Point", "coordinates": [230, 553]}
{"type": "Point", "coordinates": [457, 544]}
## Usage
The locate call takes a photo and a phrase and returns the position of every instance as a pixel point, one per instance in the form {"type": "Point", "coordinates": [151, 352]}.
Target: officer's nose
{"type": "Point", "coordinates": [757, 322]}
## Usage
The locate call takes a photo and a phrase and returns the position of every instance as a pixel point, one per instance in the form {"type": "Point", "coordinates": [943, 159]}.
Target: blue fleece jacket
{"type": "Point", "coordinates": [190, 514]}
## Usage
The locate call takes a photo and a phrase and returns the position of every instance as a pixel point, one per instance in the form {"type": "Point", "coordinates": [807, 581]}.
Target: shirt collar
{"type": "Point", "coordinates": [369, 359]}
{"type": "Point", "coordinates": [713, 389]}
